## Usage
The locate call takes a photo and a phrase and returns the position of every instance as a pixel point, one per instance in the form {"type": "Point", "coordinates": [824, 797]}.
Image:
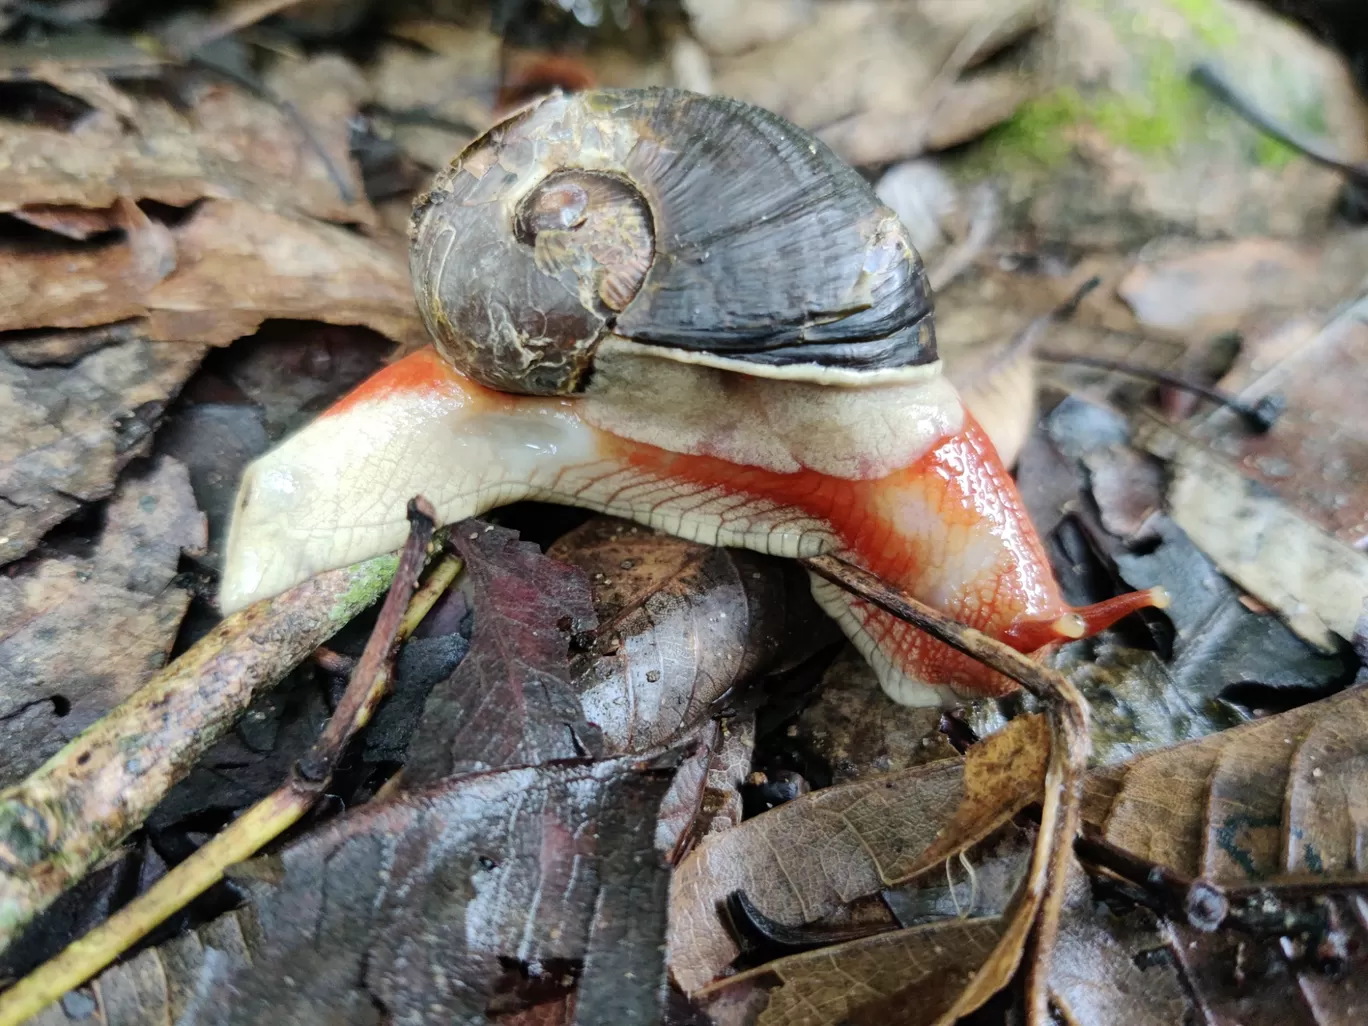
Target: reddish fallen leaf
{"type": "Point", "coordinates": [808, 857]}
{"type": "Point", "coordinates": [510, 702]}
{"type": "Point", "coordinates": [77, 636]}
{"type": "Point", "coordinates": [705, 797]}
{"type": "Point", "coordinates": [425, 906]}
{"type": "Point", "coordinates": [1316, 456]}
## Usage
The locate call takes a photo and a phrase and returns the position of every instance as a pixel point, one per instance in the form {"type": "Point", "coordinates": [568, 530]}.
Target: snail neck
{"type": "Point", "coordinates": [783, 426]}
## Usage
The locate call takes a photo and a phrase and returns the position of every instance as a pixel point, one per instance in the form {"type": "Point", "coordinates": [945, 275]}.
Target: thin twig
{"type": "Point", "coordinates": [75, 808]}
{"type": "Point", "coordinates": [1260, 416]}
{"type": "Point", "coordinates": [236, 18]}
{"type": "Point", "coordinates": [205, 62]}
{"type": "Point", "coordinates": [1067, 712]}
{"type": "Point", "coordinates": [1200, 903]}
{"type": "Point", "coordinates": [1215, 82]}
{"type": "Point", "coordinates": [1040, 681]}
{"type": "Point", "coordinates": [264, 821]}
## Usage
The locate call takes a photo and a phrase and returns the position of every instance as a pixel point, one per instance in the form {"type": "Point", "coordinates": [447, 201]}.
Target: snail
{"type": "Point", "coordinates": [685, 311]}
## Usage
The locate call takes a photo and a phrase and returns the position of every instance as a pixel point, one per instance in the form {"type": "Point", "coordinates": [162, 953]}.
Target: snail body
{"type": "Point", "coordinates": [684, 311]}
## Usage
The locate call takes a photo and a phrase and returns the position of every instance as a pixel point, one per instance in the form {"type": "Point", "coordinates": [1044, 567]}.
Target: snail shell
{"type": "Point", "coordinates": [705, 228]}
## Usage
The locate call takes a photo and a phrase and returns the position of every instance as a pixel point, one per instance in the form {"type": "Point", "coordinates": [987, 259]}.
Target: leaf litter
{"type": "Point", "coordinates": [153, 215]}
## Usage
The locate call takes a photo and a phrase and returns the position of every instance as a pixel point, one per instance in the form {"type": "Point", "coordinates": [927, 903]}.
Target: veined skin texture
{"type": "Point", "coordinates": [898, 479]}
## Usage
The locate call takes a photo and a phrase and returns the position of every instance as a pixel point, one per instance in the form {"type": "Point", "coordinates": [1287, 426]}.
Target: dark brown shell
{"type": "Point", "coordinates": [671, 219]}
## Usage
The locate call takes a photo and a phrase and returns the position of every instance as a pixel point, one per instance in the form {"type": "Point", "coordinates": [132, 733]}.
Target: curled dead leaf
{"type": "Point", "coordinates": [680, 626]}
{"type": "Point", "coordinates": [808, 857]}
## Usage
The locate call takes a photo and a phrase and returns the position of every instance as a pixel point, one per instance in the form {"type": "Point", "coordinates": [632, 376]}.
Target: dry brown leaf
{"type": "Point", "coordinates": [902, 978]}
{"type": "Point", "coordinates": [680, 625]}
{"type": "Point", "coordinates": [227, 144]}
{"type": "Point", "coordinates": [808, 857]}
{"type": "Point", "coordinates": [239, 265]}
{"type": "Point", "coordinates": [454, 88]}
{"type": "Point", "coordinates": [1284, 795]}
{"type": "Point", "coordinates": [1212, 288]}
{"type": "Point", "coordinates": [65, 432]}
{"type": "Point", "coordinates": [1247, 284]}
{"type": "Point", "coordinates": [65, 286]}
{"type": "Point", "coordinates": [872, 80]}
{"type": "Point", "coordinates": [69, 286]}
{"type": "Point", "coordinates": [78, 223]}
{"type": "Point", "coordinates": [212, 279]}
{"type": "Point", "coordinates": [327, 90]}
{"type": "Point", "coordinates": [77, 636]}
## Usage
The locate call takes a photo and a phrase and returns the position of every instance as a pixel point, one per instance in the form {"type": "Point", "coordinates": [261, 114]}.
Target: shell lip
{"type": "Point", "coordinates": [812, 373]}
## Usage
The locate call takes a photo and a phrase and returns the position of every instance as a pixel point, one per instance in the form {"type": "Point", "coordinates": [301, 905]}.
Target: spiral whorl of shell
{"type": "Point", "coordinates": [695, 224]}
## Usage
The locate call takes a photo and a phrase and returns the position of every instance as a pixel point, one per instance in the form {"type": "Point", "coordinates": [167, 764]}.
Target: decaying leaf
{"type": "Point", "coordinates": [510, 702]}
{"type": "Point", "coordinates": [1280, 796]}
{"type": "Point", "coordinates": [1139, 697]}
{"type": "Point", "coordinates": [223, 144]}
{"type": "Point", "coordinates": [77, 636]}
{"type": "Point", "coordinates": [680, 625]}
{"type": "Point", "coordinates": [1246, 284]}
{"type": "Point", "coordinates": [856, 729]}
{"type": "Point", "coordinates": [443, 902]}
{"type": "Point", "coordinates": [157, 984]}
{"type": "Point", "coordinates": [65, 432]}
{"type": "Point", "coordinates": [238, 265]}
{"type": "Point", "coordinates": [1316, 456]}
{"type": "Point", "coordinates": [979, 882]}
{"type": "Point", "coordinates": [1316, 582]}
{"type": "Point", "coordinates": [215, 277]}
{"type": "Point", "coordinates": [876, 83]}
{"type": "Point", "coordinates": [705, 797]}
{"type": "Point", "coordinates": [808, 857]}
{"type": "Point", "coordinates": [1096, 978]}
{"type": "Point", "coordinates": [909, 977]}
{"type": "Point", "coordinates": [1308, 973]}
